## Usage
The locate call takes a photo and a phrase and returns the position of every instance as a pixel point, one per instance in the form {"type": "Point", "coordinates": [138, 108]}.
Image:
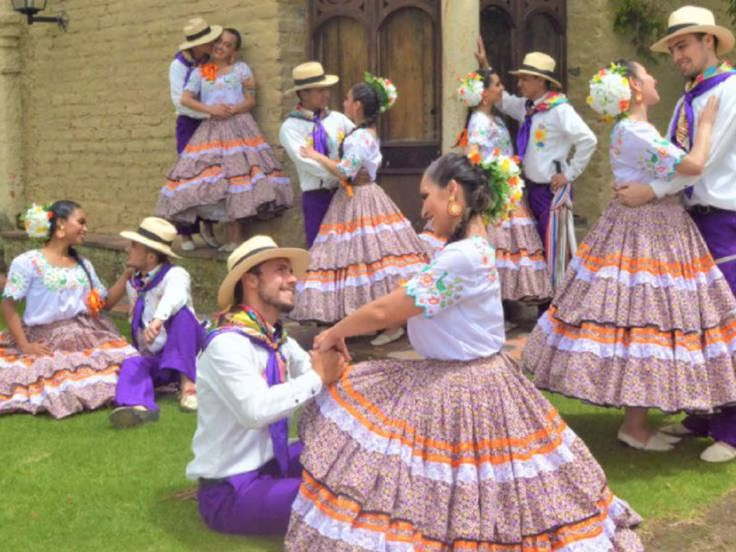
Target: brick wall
{"type": "Point", "coordinates": [98, 121]}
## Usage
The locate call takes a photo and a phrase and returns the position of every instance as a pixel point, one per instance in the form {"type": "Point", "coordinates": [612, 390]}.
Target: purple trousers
{"type": "Point", "coordinates": [314, 206]}
{"type": "Point", "coordinates": [185, 129]}
{"type": "Point", "coordinates": [139, 375]}
{"type": "Point", "coordinates": [718, 228]}
{"type": "Point", "coordinates": [540, 198]}
{"type": "Point", "coordinates": [252, 503]}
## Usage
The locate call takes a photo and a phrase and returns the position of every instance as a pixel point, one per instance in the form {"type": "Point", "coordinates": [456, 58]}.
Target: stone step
{"type": "Point", "coordinates": [107, 254]}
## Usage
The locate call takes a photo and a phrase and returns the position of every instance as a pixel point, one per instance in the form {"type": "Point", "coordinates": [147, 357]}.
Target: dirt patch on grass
{"type": "Point", "coordinates": [713, 531]}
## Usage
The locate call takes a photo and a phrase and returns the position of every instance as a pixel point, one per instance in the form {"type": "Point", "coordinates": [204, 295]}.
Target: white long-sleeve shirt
{"type": "Point", "coordinates": [715, 186]}
{"type": "Point", "coordinates": [177, 74]}
{"type": "Point", "coordinates": [171, 294]}
{"type": "Point", "coordinates": [553, 134]}
{"type": "Point", "coordinates": [295, 133]}
{"type": "Point", "coordinates": [236, 405]}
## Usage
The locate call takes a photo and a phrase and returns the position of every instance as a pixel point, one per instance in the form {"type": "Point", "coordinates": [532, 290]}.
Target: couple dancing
{"type": "Point", "coordinates": [458, 448]}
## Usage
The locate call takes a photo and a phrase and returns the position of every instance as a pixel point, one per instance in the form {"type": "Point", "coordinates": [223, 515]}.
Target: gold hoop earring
{"type": "Point", "coordinates": [453, 208]}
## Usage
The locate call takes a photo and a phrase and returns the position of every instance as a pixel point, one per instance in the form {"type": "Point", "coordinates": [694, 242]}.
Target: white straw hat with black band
{"type": "Point", "coordinates": [198, 32]}
{"type": "Point", "coordinates": [538, 64]}
{"type": "Point", "coordinates": [155, 233]}
{"type": "Point", "coordinates": [694, 20]}
{"type": "Point", "coordinates": [311, 74]}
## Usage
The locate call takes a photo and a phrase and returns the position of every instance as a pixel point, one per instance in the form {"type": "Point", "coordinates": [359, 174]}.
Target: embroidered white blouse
{"type": "Point", "coordinates": [236, 405]}
{"type": "Point", "coordinates": [295, 133]}
{"type": "Point", "coordinates": [715, 186]}
{"type": "Point", "coordinates": [461, 297]}
{"type": "Point", "coordinates": [553, 135]}
{"type": "Point", "coordinates": [360, 149]}
{"type": "Point", "coordinates": [162, 302]}
{"type": "Point", "coordinates": [51, 293]}
{"type": "Point", "coordinates": [639, 153]}
{"type": "Point", "coordinates": [489, 132]}
{"type": "Point", "coordinates": [225, 89]}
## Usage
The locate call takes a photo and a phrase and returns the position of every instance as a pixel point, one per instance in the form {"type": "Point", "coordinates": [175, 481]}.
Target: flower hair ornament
{"type": "Point", "coordinates": [470, 91]}
{"type": "Point", "coordinates": [610, 92]}
{"type": "Point", "coordinates": [386, 89]}
{"type": "Point", "coordinates": [504, 181]}
{"type": "Point", "coordinates": [36, 221]}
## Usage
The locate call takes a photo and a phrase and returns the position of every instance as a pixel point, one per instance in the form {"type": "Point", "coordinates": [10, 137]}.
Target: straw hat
{"type": "Point", "coordinates": [253, 252]}
{"type": "Point", "coordinates": [311, 74]}
{"type": "Point", "coordinates": [692, 19]}
{"type": "Point", "coordinates": [540, 65]}
{"type": "Point", "coordinates": [198, 32]}
{"type": "Point", "coordinates": [155, 233]}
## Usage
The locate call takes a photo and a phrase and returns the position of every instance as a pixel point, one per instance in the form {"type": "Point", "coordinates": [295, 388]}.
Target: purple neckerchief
{"type": "Point", "coordinates": [141, 288]}
{"type": "Point", "coordinates": [550, 101]}
{"type": "Point", "coordinates": [279, 430]}
{"type": "Point", "coordinates": [319, 134]}
{"type": "Point", "coordinates": [687, 104]}
{"type": "Point", "coordinates": [190, 65]}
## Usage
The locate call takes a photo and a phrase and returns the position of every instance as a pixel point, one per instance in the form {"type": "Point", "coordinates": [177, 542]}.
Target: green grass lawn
{"type": "Point", "coordinates": [77, 484]}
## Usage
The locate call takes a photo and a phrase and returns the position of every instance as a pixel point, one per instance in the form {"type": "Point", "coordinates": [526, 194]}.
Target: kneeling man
{"type": "Point", "coordinates": [164, 327]}
{"type": "Point", "coordinates": [251, 378]}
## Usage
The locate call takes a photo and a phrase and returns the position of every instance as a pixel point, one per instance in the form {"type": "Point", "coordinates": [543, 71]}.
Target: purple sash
{"type": "Point", "coordinates": [190, 65]}
{"type": "Point", "coordinates": [138, 285]}
{"type": "Point", "coordinates": [279, 429]}
{"type": "Point", "coordinates": [687, 104]}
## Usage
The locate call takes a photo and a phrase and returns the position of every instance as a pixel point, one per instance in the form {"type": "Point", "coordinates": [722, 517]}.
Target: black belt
{"type": "Point", "coordinates": [706, 210]}
{"type": "Point", "coordinates": [206, 482]}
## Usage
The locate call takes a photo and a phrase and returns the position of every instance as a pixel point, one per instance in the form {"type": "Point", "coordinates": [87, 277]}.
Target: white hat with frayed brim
{"type": "Point", "coordinates": [311, 75]}
{"type": "Point", "coordinates": [691, 20]}
{"type": "Point", "coordinates": [155, 233]}
{"type": "Point", "coordinates": [198, 32]}
{"type": "Point", "coordinates": [538, 64]}
{"type": "Point", "coordinates": [253, 252]}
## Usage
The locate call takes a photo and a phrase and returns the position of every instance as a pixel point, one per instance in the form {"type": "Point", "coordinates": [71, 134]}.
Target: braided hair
{"type": "Point", "coordinates": [367, 95]}
{"type": "Point", "coordinates": [479, 196]}
{"type": "Point", "coordinates": [61, 211]}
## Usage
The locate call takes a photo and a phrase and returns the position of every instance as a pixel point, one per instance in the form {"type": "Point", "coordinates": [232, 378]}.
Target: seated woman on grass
{"type": "Point", "coordinates": [62, 356]}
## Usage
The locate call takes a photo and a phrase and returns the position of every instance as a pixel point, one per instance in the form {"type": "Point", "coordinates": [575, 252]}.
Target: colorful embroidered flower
{"type": "Point", "coordinates": [540, 134]}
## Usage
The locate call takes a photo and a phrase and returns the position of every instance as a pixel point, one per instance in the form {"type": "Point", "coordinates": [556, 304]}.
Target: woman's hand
{"type": "Point", "coordinates": [709, 112]}
{"type": "Point", "coordinates": [34, 348]}
{"type": "Point", "coordinates": [326, 341]}
{"type": "Point", "coordinates": [308, 152]}
{"type": "Point", "coordinates": [219, 111]}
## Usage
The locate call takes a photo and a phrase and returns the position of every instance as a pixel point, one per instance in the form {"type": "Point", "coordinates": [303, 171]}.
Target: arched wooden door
{"type": "Point", "coordinates": [399, 40]}
{"type": "Point", "coordinates": [511, 28]}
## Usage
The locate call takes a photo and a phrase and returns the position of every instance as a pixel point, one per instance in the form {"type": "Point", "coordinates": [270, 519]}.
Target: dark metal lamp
{"type": "Point", "coordinates": [30, 8]}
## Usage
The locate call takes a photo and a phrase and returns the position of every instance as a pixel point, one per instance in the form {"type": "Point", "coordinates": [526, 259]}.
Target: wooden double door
{"type": "Point", "coordinates": [401, 40]}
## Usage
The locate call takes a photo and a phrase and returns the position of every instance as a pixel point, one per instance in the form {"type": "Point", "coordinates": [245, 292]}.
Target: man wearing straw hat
{"type": "Point", "coordinates": [312, 123]}
{"type": "Point", "coordinates": [251, 378]}
{"type": "Point", "coordinates": [164, 327]}
{"type": "Point", "coordinates": [695, 43]}
{"type": "Point", "coordinates": [550, 129]}
{"type": "Point", "coordinates": [199, 39]}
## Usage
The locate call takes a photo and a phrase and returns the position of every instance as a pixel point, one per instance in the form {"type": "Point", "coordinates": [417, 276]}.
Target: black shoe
{"type": "Point", "coordinates": [129, 416]}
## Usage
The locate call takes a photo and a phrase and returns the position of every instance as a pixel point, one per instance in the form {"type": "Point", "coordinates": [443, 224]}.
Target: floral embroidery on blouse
{"type": "Point", "coordinates": [650, 153]}
{"type": "Point", "coordinates": [435, 288]}
{"type": "Point", "coordinates": [489, 133]}
{"type": "Point", "coordinates": [53, 278]}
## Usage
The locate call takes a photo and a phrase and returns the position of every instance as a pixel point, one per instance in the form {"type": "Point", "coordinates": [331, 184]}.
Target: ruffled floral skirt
{"type": "Point", "coordinates": [364, 249]}
{"type": "Point", "coordinates": [520, 258]}
{"type": "Point", "coordinates": [438, 455]}
{"type": "Point", "coordinates": [80, 374]}
{"type": "Point", "coordinates": [643, 317]}
{"type": "Point", "coordinates": [227, 172]}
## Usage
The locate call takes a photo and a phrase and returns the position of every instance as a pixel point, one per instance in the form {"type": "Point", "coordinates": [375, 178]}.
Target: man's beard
{"type": "Point", "coordinates": [274, 301]}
